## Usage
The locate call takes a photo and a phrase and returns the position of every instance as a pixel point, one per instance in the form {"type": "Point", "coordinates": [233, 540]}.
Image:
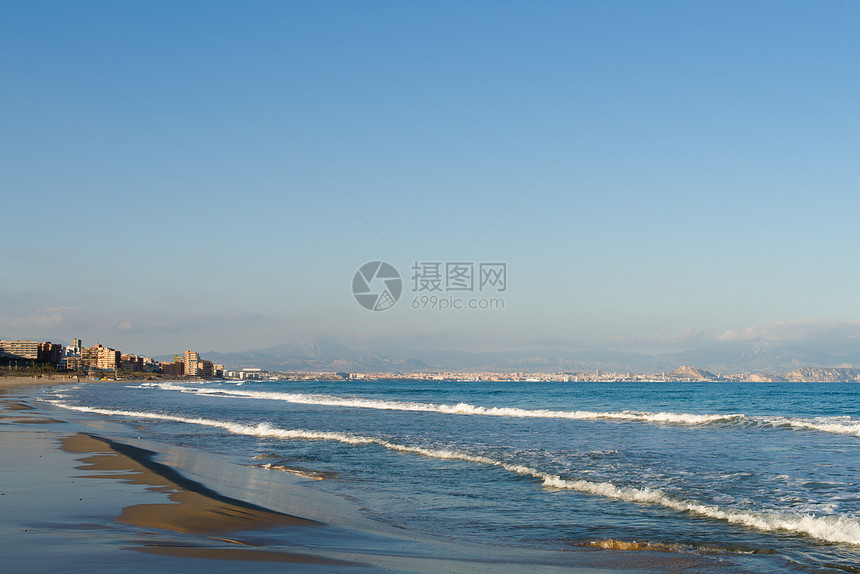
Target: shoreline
{"type": "Point", "coordinates": [87, 492]}
{"type": "Point", "coordinates": [7, 382]}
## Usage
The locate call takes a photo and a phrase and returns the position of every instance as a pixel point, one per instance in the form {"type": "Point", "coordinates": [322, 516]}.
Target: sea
{"type": "Point", "coordinates": [766, 475]}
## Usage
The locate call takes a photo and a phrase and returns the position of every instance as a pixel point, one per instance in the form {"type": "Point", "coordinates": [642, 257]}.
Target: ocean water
{"type": "Point", "coordinates": [767, 475]}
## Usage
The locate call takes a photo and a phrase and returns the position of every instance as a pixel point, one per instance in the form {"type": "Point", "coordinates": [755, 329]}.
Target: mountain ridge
{"type": "Point", "coordinates": [323, 354]}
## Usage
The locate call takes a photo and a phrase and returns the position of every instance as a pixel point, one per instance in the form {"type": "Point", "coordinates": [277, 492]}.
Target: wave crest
{"type": "Point", "coordinates": [459, 408]}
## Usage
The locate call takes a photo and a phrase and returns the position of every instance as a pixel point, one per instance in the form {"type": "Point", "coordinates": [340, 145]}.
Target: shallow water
{"type": "Point", "coordinates": [766, 474]}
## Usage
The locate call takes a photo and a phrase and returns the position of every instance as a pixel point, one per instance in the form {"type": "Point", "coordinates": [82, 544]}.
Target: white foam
{"type": "Point", "coordinates": [836, 425]}
{"type": "Point", "coordinates": [830, 528]}
{"type": "Point", "coordinates": [460, 408]}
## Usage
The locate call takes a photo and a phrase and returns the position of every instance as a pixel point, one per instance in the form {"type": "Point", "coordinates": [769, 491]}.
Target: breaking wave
{"type": "Point", "coordinates": [835, 425]}
{"type": "Point", "coordinates": [457, 409]}
{"type": "Point", "coordinates": [829, 528]}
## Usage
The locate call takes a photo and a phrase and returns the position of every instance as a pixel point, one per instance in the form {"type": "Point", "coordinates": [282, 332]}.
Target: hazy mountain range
{"type": "Point", "coordinates": [716, 357]}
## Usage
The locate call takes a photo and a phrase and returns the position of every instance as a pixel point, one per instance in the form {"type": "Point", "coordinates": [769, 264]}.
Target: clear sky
{"type": "Point", "coordinates": [210, 175]}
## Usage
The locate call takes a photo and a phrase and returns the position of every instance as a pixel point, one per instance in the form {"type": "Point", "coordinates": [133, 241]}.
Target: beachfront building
{"type": "Point", "coordinates": [205, 369]}
{"type": "Point", "coordinates": [71, 358]}
{"type": "Point", "coordinates": [50, 352]}
{"type": "Point", "coordinates": [192, 364]}
{"type": "Point", "coordinates": [20, 349]}
{"type": "Point", "coordinates": [131, 363]}
{"type": "Point", "coordinates": [150, 365]}
{"type": "Point", "coordinates": [174, 369]}
{"type": "Point", "coordinates": [100, 357]}
{"type": "Point", "coordinates": [46, 352]}
{"type": "Point", "coordinates": [72, 363]}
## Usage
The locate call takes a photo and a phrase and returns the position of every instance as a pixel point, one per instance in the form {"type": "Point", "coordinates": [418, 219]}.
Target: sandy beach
{"type": "Point", "coordinates": [13, 382]}
{"type": "Point", "coordinates": [74, 497]}
{"type": "Point", "coordinates": [52, 512]}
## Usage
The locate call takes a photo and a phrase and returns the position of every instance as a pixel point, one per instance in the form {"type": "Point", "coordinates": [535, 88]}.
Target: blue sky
{"type": "Point", "coordinates": [147, 203]}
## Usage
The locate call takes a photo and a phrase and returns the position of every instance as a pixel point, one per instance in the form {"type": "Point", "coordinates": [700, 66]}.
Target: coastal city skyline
{"type": "Point", "coordinates": [99, 361]}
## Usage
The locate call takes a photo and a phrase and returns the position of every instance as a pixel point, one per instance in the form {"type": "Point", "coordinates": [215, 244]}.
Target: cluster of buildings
{"type": "Point", "coordinates": [191, 365]}
{"type": "Point", "coordinates": [511, 377]}
{"type": "Point", "coordinates": [682, 374]}
{"type": "Point", "coordinates": [76, 357]}
{"type": "Point", "coordinates": [100, 360]}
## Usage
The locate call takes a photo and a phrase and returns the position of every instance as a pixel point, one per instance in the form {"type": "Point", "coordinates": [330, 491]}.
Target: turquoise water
{"type": "Point", "coordinates": [767, 475]}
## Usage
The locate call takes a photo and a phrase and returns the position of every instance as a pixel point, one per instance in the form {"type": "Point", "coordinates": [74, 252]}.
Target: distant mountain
{"type": "Point", "coordinates": [315, 355]}
{"type": "Point", "coordinates": [691, 373]}
{"type": "Point", "coordinates": [740, 357]}
{"type": "Point", "coordinates": [706, 362]}
{"type": "Point", "coordinates": [820, 375]}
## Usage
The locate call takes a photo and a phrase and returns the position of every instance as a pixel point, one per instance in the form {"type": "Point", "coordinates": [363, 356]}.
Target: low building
{"type": "Point", "coordinates": [72, 363]}
{"type": "Point", "coordinates": [174, 369]}
{"type": "Point", "coordinates": [131, 363]}
{"type": "Point", "coordinates": [150, 365]}
{"type": "Point", "coordinates": [252, 374]}
{"type": "Point", "coordinates": [50, 352]}
{"type": "Point", "coordinates": [205, 369]}
{"type": "Point", "coordinates": [20, 349]}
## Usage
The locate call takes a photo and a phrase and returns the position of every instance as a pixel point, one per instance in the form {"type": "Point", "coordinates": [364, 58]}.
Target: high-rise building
{"type": "Point", "coordinates": [192, 363]}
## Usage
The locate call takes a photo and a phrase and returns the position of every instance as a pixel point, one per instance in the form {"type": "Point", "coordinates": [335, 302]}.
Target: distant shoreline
{"type": "Point", "coordinates": [7, 381]}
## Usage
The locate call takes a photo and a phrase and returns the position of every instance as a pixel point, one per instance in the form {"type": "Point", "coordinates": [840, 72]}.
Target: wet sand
{"type": "Point", "coordinates": [73, 497]}
{"type": "Point", "coordinates": [194, 508]}
{"type": "Point", "coordinates": [38, 514]}
{"type": "Point", "coordinates": [14, 382]}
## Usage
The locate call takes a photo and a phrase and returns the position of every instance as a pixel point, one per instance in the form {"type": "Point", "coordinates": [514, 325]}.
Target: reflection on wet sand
{"type": "Point", "coordinates": [194, 509]}
{"type": "Point", "coordinates": [23, 414]}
